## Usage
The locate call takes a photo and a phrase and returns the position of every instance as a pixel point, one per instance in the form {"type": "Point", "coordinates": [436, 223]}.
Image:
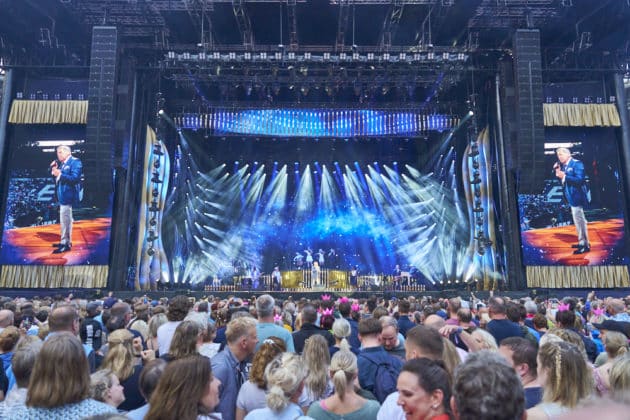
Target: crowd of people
{"type": "Point", "coordinates": [261, 358]}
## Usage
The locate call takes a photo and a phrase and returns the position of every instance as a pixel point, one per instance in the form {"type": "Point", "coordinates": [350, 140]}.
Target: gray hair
{"type": "Point", "coordinates": [389, 321]}
{"type": "Point", "coordinates": [264, 306]}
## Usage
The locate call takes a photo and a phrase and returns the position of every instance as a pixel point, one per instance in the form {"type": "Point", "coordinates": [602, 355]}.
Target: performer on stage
{"type": "Point", "coordinates": [396, 276]}
{"type": "Point", "coordinates": [68, 172]}
{"type": "Point", "coordinates": [298, 260]}
{"type": "Point", "coordinates": [354, 275]}
{"type": "Point", "coordinates": [276, 278]}
{"type": "Point", "coordinates": [309, 257]}
{"type": "Point", "coordinates": [571, 173]}
{"type": "Point", "coordinates": [255, 274]}
{"type": "Point", "coordinates": [321, 257]}
{"type": "Point", "coordinates": [316, 275]}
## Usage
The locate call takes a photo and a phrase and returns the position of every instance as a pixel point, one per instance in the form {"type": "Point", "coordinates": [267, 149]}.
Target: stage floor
{"type": "Point", "coordinates": [33, 244]}
{"type": "Point", "coordinates": [553, 245]}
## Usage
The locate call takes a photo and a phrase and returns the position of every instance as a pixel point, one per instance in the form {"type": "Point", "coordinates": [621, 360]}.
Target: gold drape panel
{"type": "Point", "coordinates": [48, 112]}
{"type": "Point", "coordinates": [577, 276]}
{"type": "Point", "coordinates": [581, 115]}
{"type": "Point", "coordinates": [54, 276]}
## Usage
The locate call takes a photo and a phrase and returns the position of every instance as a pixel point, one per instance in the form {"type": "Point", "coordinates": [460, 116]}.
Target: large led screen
{"type": "Point", "coordinates": [551, 221]}
{"type": "Point", "coordinates": [32, 230]}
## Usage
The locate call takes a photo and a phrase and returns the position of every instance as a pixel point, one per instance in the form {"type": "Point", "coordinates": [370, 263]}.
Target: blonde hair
{"type": "Point", "coordinates": [120, 355]}
{"type": "Point", "coordinates": [100, 382]}
{"type": "Point", "coordinates": [285, 374]}
{"type": "Point", "coordinates": [616, 344]}
{"type": "Point", "coordinates": [317, 359]}
{"type": "Point", "coordinates": [488, 341]}
{"type": "Point", "coordinates": [155, 322]}
{"type": "Point", "coordinates": [568, 375]}
{"type": "Point", "coordinates": [620, 376]}
{"type": "Point", "coordinates": [343, 368]}
{"type": "Point", "coordinates": [341, 329]}
{"type": "Point", "coordinates": [238, 328]}
{"type": "Point", "coordinates": [450, 356]}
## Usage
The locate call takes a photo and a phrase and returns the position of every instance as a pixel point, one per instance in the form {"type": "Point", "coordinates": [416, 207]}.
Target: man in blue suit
{"type": "Point", "coordinates": [571, 173]}
{"type": "Point", "coordinates": [68, 172]}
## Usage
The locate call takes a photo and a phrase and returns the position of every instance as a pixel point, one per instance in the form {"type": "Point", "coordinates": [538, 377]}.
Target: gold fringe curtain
{"type": "Point", "coordinates": [581, 115]}
{"type": "Point", "coordinates": [559, 277]}
{"type": "Point", "coordinates": [54, 276]}
{"type": "Point", "coordinates": [48, 112]}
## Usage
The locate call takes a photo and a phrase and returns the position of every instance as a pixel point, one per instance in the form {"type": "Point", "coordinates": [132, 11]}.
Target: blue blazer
{"type": "Point", "coordinates": [69, 187]}
{"type": "Point", "coordinates": [575, 189]}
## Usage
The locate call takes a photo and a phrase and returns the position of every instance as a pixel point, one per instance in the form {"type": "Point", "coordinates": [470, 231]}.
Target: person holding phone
{"type": "Point", "coordinates": [67, 171]}
{"type": "Point", "coordinates": [570, 171]}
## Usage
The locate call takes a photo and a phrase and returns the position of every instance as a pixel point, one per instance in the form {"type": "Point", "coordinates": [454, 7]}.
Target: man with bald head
{"type": "Point", "coordinates": [6, 319]}
{"type": "Point", "coordinates": [617, 310]}
{"type": "Point", "coordinates": [65, 318]}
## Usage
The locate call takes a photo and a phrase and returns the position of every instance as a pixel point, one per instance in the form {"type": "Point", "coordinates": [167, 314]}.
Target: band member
{"type": "Point", "coordinates": [397, 276]}
{"type": "Point", "coordinates": [276, 278]}
{"type": "Point", "coordinates": [255, 274]}
{"type": "Point", "coordinates": [354, 276]}
{"type": "Point", "coordinates": [571, 173]}
{"type": "Point", "coordinates": [68, 172]}
{"type": "Point", "coordinates": [298, 260]}
{"type": "Point", "coordinates": [321, 257]}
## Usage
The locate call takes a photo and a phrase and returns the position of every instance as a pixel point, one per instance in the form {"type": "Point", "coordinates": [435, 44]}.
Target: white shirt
{"type": "Point", "coordinates": [390, 410]}
{"type": "Point", "coordinates": [165, 336]}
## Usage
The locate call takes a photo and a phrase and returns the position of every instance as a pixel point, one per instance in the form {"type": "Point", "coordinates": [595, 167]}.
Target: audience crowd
{"type": "Point", "coordinates": [260, 358]}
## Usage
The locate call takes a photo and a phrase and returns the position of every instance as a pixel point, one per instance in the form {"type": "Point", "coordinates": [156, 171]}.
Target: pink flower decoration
{"type": "Point", "coordinates": [563, 307]}
{"type": "Point", "coordinates": [325, 297]}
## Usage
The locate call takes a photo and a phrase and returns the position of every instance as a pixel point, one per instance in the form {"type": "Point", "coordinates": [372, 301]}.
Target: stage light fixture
{"type": "Point", "coordinates": [386, 56]}
{"type": "Point", "coordinates": [247, 56]}
{"type": "Point", "coordinates": [216, 55]}
{"type": "Point", "coordinates": [430, 55]}
{"type": "Point", "coordinates": [307, 55]}
{"type": "Point", "coordinates": [402, 56]}
{"type": "Point", "coordinates": [278, 55]}
{"type": "Point", "coordinates": [291, 55]}
{"type": "Point", "coordinates": [370, 56]}
{"type": "Point", "coordinates": [326, 56]}
{"type": "Point", "coordinates": [342, 56]}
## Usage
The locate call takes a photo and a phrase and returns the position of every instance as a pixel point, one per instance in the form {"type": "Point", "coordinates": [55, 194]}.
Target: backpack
{"type": "Point", "coordinates": [385, 378]}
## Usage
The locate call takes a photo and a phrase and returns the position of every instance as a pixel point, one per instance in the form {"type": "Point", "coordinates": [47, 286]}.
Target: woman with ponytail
{"type": "Point", "coordinates": [616, 344]}
{"type": "Point", "coordinates": [345, 402]}
{"type": "Point", "coordinates": [285, 382]}
{"type": "Point", "coordinates": [341, 330]}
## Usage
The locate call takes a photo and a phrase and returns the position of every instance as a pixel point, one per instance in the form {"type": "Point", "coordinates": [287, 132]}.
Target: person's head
{"type": "Point", "coordinates": [8, 339]}
{"type": "Point", "coordinates": [120, 355]}
{"type": "Point", "coordinates": [178, 308]}
{"type": "Point", "coordinates": [309, 314]}
{"type": "Point", "coordinates": [379, 312]}
{"type": "Point", "coordinates": [521, 355]}
{"type": "Point", "coordinates": [6, 318]}
{"type": "Point", "coordinates": [317, 359]}
{"type": "Point", "coordinates": [241, 336]}
{"type": "Point", "coordinates": [530, 307]}
{"type": "Point", "coordinates": [424, 389]}
{"type": "Point", "coordinates": [341, 331]}
{"type": "Point", "coordinates": [343, 370]}
{"type": "Point", "coordinates": [423, 341]}
{"type": "Point", "coordinates": [434, 321]}
{"type": "Point", "coordinates": [389, 334]}
{"type": "Point", "coordinates": [454, 305]}
{"type": "Point", "coordinates": [403, 307]}
{"type": "Point", "coordinates": [540, 322]}
{"type": "Point", "coordinates": [497, 307]}
{"type": "Point", "coordinates": [264, 306]}
{"type": "Point", "coordinates": [61, 374]}
{"type": "Point", "coordinates": [285, 380]}
{"type": "Point", "coordinates": [64, 318]}
{"type": "Point", "coordinates": [619, 376]}
{"type": "Point", "coordinates": [563, 154]}
{"type": "Point", "coordinates": [486, 387]}
{"type": "Point", "coordinates": [464, 316]}
{"type": "Point", "coordinates": [150, 376]}
{"type": "Point", "coordinates": [616, 344]}
{"type": "Point", "coordinates": [24, 357]}
{"type": "Point", "coordinates": [121, 311]}
{"type": "Point", "coordinates": [185, 390]}
{"type": "Point", "coordinates": [370, 330]}
{"type": "Point", "coordinates": [485, 340]}
{"type": "Point", "coordinates": [268, 350]}
{"type": "Point", "coordinates": [344, 309]}
{"type": "Point", "coordinates": [155, 322]}
{"type": "Point", "coordinates": [63, 152]}
{"type": "Point", "coordinates": [186, 339]}
{"type": "Point", "coordinates": [562, 370]}
{"type": "Point", "coordinates": [565, 318]}
{"type": "Point", "coordinates": [105, 387]}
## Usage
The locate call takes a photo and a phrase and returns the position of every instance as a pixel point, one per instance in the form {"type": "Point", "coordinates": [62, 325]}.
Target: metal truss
{"type": "Point", "coordinates": [342, 26]}
{"type": "Point", "coordinates": [292, 16]}
{"type": "Point", "coordinates": [390, 25]}
{"type": "Point", "coordinates": [244, 23]}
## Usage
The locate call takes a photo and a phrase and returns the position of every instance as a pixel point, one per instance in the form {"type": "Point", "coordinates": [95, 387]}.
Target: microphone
{"type": "Point", "coordinates": [556, 165]}
{"type": "Point", "coordinates": [54, 163]}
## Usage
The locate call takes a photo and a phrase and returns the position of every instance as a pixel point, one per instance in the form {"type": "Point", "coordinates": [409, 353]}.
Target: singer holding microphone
{"type": "Point", "coordinates": [67, 172]}
{"type": "Point", "coordinates": [571, 173]}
